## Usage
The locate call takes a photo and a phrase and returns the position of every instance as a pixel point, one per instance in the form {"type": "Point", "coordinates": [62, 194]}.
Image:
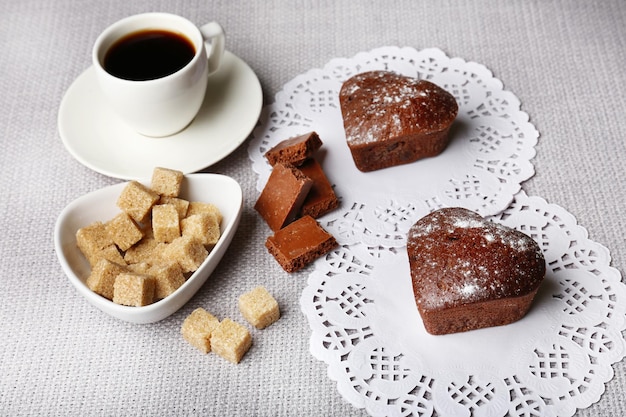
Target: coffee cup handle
{"type": "Point", "coordinates": [214, 39]}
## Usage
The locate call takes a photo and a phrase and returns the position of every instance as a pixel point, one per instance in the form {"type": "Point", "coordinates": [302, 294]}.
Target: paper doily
{"type": "Point", "coordinates": [360, 307]}
{"type": "Point", "coordinates": [492, 143]}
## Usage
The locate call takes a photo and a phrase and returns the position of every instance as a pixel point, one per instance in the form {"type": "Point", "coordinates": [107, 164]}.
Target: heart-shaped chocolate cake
{"type": "Point", "coordinates": [469, 273]}
{"type": "Point", "coordinates": [391, 119]}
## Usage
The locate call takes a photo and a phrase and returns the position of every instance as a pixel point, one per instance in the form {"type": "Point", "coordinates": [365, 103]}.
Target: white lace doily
{"type": "Point", "coordinates": [488, 157]}
{"type": "Point", "coordinates": [359, 300]}
{"type": "Point", "coordinates": [360, 306]}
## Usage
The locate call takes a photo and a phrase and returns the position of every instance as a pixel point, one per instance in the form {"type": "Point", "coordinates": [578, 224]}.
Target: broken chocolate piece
{"type": "Point", "coordinates": [321, 198]}
{"type": "Point", "coordinates": [294, 150]}
{"type": "Point", "coordinates": [300, 243]}
{"type": "Point", "coordinates": [283, 195]}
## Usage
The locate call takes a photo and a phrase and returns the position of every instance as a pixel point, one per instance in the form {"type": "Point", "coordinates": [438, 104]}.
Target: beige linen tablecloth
{"type": "Point", "coordinates": [59, 356]}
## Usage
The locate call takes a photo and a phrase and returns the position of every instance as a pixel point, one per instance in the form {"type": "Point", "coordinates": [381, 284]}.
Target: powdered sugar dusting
{"type": "Point", "coordinates": [457, 257]}
{"type": "Point", "coordinates": [467, 222]}
{"type": "Point", "coordinates": [469, 289]}
{"type": "Point", "coordinates": [381, 104]}
{"type": "Point", "coordinates": [491, 232]}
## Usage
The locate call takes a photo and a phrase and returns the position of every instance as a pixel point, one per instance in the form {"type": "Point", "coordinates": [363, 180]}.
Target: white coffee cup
{"type": "Point", "coordinates": [166, 105]}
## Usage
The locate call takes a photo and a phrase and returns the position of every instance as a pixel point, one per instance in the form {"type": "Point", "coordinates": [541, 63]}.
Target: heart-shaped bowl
{"type": "Point", "coordinates": [100, 205]}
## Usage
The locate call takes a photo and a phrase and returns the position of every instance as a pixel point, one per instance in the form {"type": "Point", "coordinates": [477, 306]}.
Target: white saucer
{"type": "Point", "coordinates": [98, 139]}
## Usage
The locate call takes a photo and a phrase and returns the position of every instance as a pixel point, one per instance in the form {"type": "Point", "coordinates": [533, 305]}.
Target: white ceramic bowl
{"type": "Point", "coordinates": [100, 205]}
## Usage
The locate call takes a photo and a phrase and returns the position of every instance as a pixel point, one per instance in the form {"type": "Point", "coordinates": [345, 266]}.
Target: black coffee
{"type": "Point", "coordinates": [148, 54]}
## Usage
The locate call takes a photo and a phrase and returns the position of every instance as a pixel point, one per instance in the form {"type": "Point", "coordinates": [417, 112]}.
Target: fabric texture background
{"type": "Point", "coordinates": [59, 356]}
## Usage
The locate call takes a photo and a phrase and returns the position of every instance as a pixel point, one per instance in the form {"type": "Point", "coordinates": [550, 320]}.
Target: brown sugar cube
{"type": "Point", "coordinates": [189, 253]}
{"type": "Point", "coordinates": [132, 289]}
{"type": "Point", "coordinates": [142, 268]}
{"type": "Point", "coordinates": [165, 223]}
{"type": "Point", "coordinates": [181, 204]}
{"type": "Point", "coordinates": [137, 200]}
{"type": "Point", "coordinates": [203, 227]}
{"type": "Point", "coordinates": [300, 243]}
{"type": "Point", "coordinates": [167, 278]}
{"type": "Point", "coordinates": [283, 195]}
{"type": "Point", "coordinates": [259, 308]}
{"type": "Point", "coordinates": [102, 277]}
{"type": "Point", "coordinates": [231, 340]}
{"type": "Point", "coordinates": [166, 181]}
{"type": "Point", "coordinates": [110, 253]}
{"type": "Point", "coordinates": [321, 198]}
{"type": "Point", "coordinates": [197, 329]}
{"type": "Point", "coordinates": [198, 207]}
{"type": "Point", "coordinates": [124, 231]}
{"type": "Point", "coordinates": [142, 251]}
{"type": "Point", "coordinates": [294, 150]}
{"type": "Point", "coordinates": [92, 239]}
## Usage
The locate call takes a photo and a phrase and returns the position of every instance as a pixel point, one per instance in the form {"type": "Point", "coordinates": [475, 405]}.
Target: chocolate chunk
{"type": "Point", "coordinates": [283, 195]}
{"type": "Point", "coordinates": [300, 243]}
{"type": "Point", "coordinates": [294, 150]}
{"type": "Point", "coordinates": [321, 198]}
